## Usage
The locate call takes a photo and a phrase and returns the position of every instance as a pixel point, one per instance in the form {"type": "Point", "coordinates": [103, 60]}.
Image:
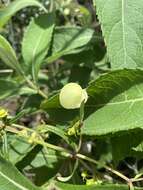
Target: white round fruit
{"type": "Point", "coordinates": [72, 95]}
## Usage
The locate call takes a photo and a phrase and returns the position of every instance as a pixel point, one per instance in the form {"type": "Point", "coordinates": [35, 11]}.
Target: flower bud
{"type": "Point", "coordinates": [3, 113]}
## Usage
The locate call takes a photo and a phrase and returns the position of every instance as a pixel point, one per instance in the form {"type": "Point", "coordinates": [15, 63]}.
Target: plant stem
{"type": "Point", "coordinates": [81, 112]}
{"type": "Point", "coordinates": [6, 71]}
{"type": "Point", "coordinates": [54, 147]}
{"type": "Point", "coordinates": [32, 85]}
{"type": "Point", "coordinates": [136, 180]}
{"type": "Point", "coordinates": [131, 187]}
{"type": "Point", "coordinates": [65, 152]}
{"type": "Point", "coordinates": [106, 167]}
{"type": "Point", "coordinates": [19, 127]}
{"type": "Point", "coordinates": [5, 145]}
{"type": "Point", "coordinates": [51, 8]}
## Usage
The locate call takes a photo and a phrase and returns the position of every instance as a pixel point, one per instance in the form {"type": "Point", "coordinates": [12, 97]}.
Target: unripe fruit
{"type": "Point", "coordinates": [72, 95]}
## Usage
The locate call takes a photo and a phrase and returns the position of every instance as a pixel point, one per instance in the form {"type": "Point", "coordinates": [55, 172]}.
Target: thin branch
{"type": "Point", "coordinates": [106, 167]}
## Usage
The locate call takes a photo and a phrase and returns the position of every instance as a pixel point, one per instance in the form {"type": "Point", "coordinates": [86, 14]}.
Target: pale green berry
{"type": "Point", "coordinates": [66, 11]}
{"type": "Point", "coordinates": [72, 95]}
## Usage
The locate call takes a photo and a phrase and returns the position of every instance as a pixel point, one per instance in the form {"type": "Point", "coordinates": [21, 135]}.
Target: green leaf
{"type": "Point", "coordinates": [124, 144]}
{"type": "Point", "coordinates": [53, 129]}
{"type": "Point", "coordinates": [122, 30]}
{"type": "Point", "coordinates": [115, 103]}
{"type": "Point", "coordinates": [56, 111]}
{"type": "Point", "coordinates": [44, 163]}
{"type": "Point", "coordinates": [67, 39]}
{"type": "Point", "coordinates": [80, 75]}
{"type": "Point", "coordinates": [35, 47]}
{"type": "Point", "coordinates": [18, 148]}
{"type": "Point", "coordinates": [25, 90]}
{"type": "Point", "coordinates": [46, 157]}
{"type": "Point", "coordinates": [7, 12]}
{"type": "Point", "coordinates": [7, 88]}
{"type": "Point", "coordinates": [32, 103]}
{"type": "Point", "coordinates": [11, 178]}
{"type": "Point", "coordinates": [94, 51]}
{"type": "Point", "coordinates": [64, 186]}
{"type": "Point", "coordinates": [7, 55]}
{"type": "Point", "coordinates": [52, 102]}
{"type": "Point", "coordinates": [138, 148]}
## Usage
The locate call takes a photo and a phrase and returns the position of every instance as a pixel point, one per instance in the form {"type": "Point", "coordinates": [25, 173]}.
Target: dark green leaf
{"type": "Point", "coordinates": [124, 144]}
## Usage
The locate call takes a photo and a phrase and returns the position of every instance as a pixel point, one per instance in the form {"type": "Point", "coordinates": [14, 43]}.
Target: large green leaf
{"type": "Point", "coordinates": [67, 39]}
{"type": "Point", "coordinates": [35, 47]}
{"type": "Point", "coordinates": [7, 54]}
{"type": "Point", "coordinates": [63, 186]}
{"type": "Point", "coordinates": [11, 178]}
{"type": "Point", "coordinates": [115, 103]}
{"type": "Point", "coordinates": [7, 12]}
{"type": "Point", "coordinates": [7, 88]}
{"type": "Point", "coordinates": [121, 22]}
